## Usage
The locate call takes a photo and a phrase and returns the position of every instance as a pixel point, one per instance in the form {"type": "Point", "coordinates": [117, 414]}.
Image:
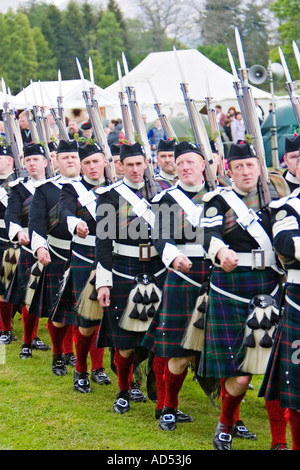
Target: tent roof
{"type": "Point", "coordinates": [161, 70]}
{"type": "Point", "coordinates": [46, 93]}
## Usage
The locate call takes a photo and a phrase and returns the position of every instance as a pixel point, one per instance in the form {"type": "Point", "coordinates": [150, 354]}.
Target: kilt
{"type": "Point", "coordinates": [110, 333]}
{"type": "Point", "coordinates": [282, 378]}
{"type": "Point", "coordinates": [65, 308]}
{"type": "Point", "coordinates": [16, 291]}
{"type": "Point", "coordinates": [47, 290]}
{"type": "Point", "coordinates": [223, 351]}
{"type": "Point", "coordinates": [165, 334]}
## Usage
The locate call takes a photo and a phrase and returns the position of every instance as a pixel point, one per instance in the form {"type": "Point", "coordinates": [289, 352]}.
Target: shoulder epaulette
{"type": "Point", "coordinates": [283, 200]}
{"type": "Point", "coordinates": [105, 189]}
{"type": "Point", "coordinates": [15, 182]}
{"type": "Point", "coordinates": [216, 192]}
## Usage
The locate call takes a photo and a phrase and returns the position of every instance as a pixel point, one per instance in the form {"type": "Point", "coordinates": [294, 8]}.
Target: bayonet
{"type": "Point", "coordinates": [165, 122]}
{"type": "Point", "coordinates": [290, 85]}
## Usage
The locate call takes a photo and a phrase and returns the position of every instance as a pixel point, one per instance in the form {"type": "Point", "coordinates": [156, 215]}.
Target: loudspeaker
{"type": "Point", "coordinates": [257, 74]}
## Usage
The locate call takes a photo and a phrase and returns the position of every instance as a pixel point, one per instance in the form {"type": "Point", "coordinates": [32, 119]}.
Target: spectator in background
{"type": "Point", "coordinates": [260, 111]}
{"type": "Point", "coordinates": [237, 128]}
{"type": "Point", "coordinates": [24, 126]}
{"type": "Point", "coordinates": [220, 115]}
{"type": "Point", "coordinates": [155, 135]}
{"type": "Point", "coordinates": [73, 129]}
{"type": "Point", "coordinates": [116, 135]}
{"type": "Point", "coordinates": [87, 130]}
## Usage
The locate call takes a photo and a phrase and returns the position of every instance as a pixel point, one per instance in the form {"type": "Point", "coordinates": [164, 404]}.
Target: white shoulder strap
{"type": "Point", "coordinates": [193, 212]}
{"type": "Point", "coordinates": [85, 197]}
{"type": "Point", "coordinates": [140, 207]}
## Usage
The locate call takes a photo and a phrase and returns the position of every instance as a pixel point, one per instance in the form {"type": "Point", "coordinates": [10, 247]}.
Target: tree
{"type": "Point", "coordinates": [46, 63]}
{"type": "Point", "coordinates": [111, 46]}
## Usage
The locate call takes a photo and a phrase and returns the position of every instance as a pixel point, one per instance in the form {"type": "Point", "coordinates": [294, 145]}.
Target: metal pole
{"type": "Point", "coordinates": [274, 142]}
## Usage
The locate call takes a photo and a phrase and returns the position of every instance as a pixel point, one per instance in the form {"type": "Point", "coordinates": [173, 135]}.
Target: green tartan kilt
{"type": "Point", "coordinates": [47, 290]}
{"type": "Point", "coordinates": [110, 333]}
{"type": "Point", "coordinates": [223, 351]}
{"type": "Point", "coordinates": [16, 291]}
{"type": "Point", "coordinates": [282, 378]}
{"type": "Point", "coordinates": [165, 334]}
{"type": "Point", "coordinates": [65, 308]}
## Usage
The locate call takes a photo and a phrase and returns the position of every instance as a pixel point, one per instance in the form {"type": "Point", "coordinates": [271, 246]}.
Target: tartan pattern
{"type": "Point", "coordinates": [282, 378]}
{"type": "Point", "coordinates": [47, 290]}
{"type": "Point", "coordinates": [165, 334]}
{"type": "Point", "coordinates": [252, 202]}
{"type": "Point", "coordinates": [225, 319]}
{"type": "Point", "coordinates": [26, 207]}
{"type": "Point", "coordinates": [16, 291]}
{"type": "Point", "coordinates": [111, 334]}
{"type": "Point", "coordinates": [64, 310]}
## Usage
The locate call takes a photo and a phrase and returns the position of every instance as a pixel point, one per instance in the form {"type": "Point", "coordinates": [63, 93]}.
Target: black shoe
{"type": "Point", "coordinates": [81, 382]}
{"type": "Point", "coordinates": [70, 359]}
{"type": "Point", "coordinates": [280, 446]}
{"type": "Point", "coordinates": [58, 365]}
{"type": "Point", "coordinates": [137, 396]}
{"type": "Point", "coordinates": [240, 431]}
{"type": "Point", "coordinates": [6, 337]}
{"type": "Point", "coordinates": [180, 416]}
{"type": "Point", "coordinates": [26, 352]}
{"type": "Point", "coordinates": [167, 421]}
{"type": "Point", "coordinates": [37, 343]}
{"type": "Point", "coordinates": [222, 439]}
{"type": "Point", "coordinates": [99, 376]}
{"type": "Point", "coordinates": [121, 405]}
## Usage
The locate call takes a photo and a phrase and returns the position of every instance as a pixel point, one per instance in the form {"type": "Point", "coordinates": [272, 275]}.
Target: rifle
{"type": "Point", "coordinates": [140, 130]}
{"type": "Point", "coordinates": [215, 130]}
{"type": "Point", "coordinates": [127, 123]}
{"type": "Point", "coordinates": [165, 123]}
{"type": "Point", "coordinates": [290, 85]}
{"type": "Point", "coordinates": [200, 133]}
{"type": "Point", "coordinates": [110, 172]}
{"type": "Point", "coordinates": [252, 122]}
{"type": "Point", "coordinates": [11, 135]}
{"type": "Point", "coordinates": [42, 133]}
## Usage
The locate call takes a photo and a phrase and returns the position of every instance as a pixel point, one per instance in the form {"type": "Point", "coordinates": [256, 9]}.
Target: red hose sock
{"type": "Point", "coordinates": [124, 367]}
{"type": "Point", "coordinates": [278, 422]}
{"type": "Point", "coordinates": [159, 368]}
{"type": "Point", "coordinates": [57, 335]}
{"type": "Point", "coordinates": [295, 428]}
{"type": "Point", "coordinates": [6, 311]}
{"type": "Point", "coordinates": [82, 345]}
{"type": "Point", "coordinates": [173, 384]}
{"type": "Point", "coordinates": [230, 406]}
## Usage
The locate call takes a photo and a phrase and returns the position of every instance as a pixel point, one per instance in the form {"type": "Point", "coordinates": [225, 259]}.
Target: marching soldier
{"type": "Point", "coordinates": [77, 213]}
{"type": "Point", "coordinates": [166, 163]}
{"type": "Point", "coordinates": [291, 153]}
{"type": "Point", "coordinates": [51, 245]}
{"type": "Point", "coordinates": [244, 287]}
{"type": "Point", "coordinates": [282, 379]}
{"type": "Point", "coordinates": [16, 221]}
{"type": "Point", "coordinates": [7, 175]}
{"type": "Point", "coordinates": [180, 245]}
{"type": "Point", "coordinates": [129, 272]}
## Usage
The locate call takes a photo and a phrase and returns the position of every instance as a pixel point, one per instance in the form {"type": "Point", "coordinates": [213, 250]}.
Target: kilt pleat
{"type": "Point", "coordinates": [165, 334]}
{"type": "Point", "coordinates": [65, 307]}
{"type": "Point", "coordinates": [282, 378]}
{"type": "Point", "coordinates": [223, 351]}
{"type": "Point", "coordinates": [110, 333]}
{"type": "Point", "coordinates": [16, 291]}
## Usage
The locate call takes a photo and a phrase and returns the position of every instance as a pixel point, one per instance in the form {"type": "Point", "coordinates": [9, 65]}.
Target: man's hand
{"type": "Point", "coordinates": [23, 238]}
{"type": "Point", "coordinates": [43, 256]}
{"type": "Point", "coordinates": [182, 264]}
{"type": "Point", "coordinates": [228, 259]}
{"type": "Point", "coordinates": [82, 229]}
{"type": "Point", "coordinates": [104, 296]}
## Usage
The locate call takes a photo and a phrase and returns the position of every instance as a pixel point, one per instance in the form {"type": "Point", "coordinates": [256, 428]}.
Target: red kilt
{"type": "Point", "coordinates": [165, 334]}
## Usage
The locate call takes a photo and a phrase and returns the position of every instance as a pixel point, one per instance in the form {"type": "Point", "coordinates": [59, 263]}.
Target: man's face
{"type": "Point", "coordinates": [134, 167]}
{"type": "Point", "coordinates": [35, 166]}
{"type": "Point", "coordinates": [118, 166]}
{"type": "Point", "coordinates": [23, 122]}
{"type": "Point", "coordinates": [73, 126]}
{"type": "Point", "coordinates": [298, 170]}
{"type": "Point", "coordinates": [245, 173]}
{"type": "Point", "coordinates": [68, 164]}
{"type": "Point", "coordinates": [190, 167]}
{"type": "Point", "coordinates": [290, 159]}
{"type": "Point", "coordinates": [166, 162]}
{"type": "Point", "coordinates": [6, 164]}
{"type": "Point", "coordinates": [93, 166]}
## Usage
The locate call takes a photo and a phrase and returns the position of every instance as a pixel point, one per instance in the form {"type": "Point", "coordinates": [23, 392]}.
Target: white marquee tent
{"type": "Point", "coordinates": [46, 93]}
{"type": "Point", "coordinates": [161, 70]}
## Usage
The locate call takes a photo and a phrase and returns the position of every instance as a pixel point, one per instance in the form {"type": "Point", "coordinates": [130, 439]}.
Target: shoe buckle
{"type": "Point", "coordinates": [136, 391]}
{"type": "Point", "coordinates": [223, 436]}
{"type": "Point", "coordinates": [242, 429]}
{"type": "Point", "coordinates": [168, 418]}
{"type": "Point", "coordinates": [83, 382]}
{"type": "Point", "coordinates": [122, 402]}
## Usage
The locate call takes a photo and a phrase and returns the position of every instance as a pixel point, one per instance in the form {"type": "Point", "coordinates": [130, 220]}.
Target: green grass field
{"type": "Point", "coordinates": [40, 411]}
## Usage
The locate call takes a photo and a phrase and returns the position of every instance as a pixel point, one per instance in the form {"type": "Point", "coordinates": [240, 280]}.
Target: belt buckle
{"type": "Point", "coordinates": [259, 259]}
{"type": "Point", "coordinates": [145, 252]}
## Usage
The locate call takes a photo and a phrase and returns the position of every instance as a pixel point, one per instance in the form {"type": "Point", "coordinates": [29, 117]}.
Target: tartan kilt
{"type": "Point", "coordinates": [223, 351]}
{"type": "Point", "coordinates": [165, 334]}
{"type": "Point", "coordinates": [47, 290]}
{"type": "Point", "coordinates": [110, 333]}
{"type": "Point", "coordinates": [16, 291]}
{"type": "Point", "coordinates": [3, 246]}
{"type": "Point", "coordinates": [65, 308]}
{"type": "Point", "coordinates": [282, 378]}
